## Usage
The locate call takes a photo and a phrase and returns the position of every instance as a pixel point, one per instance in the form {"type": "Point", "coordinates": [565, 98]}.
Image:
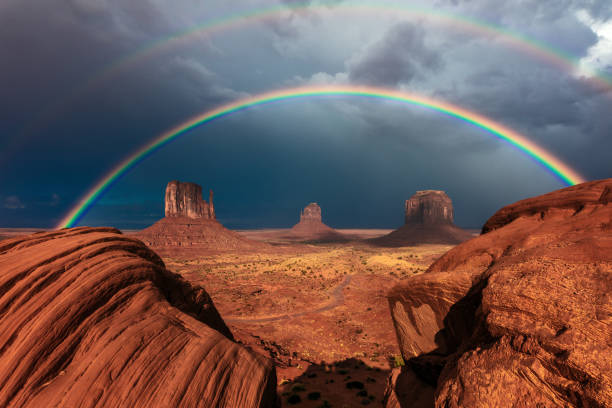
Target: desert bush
{"type": "Point", "coordinates": [294, 399]}
{"type": "Point", "coordinates": [313, 396]}
{"type": "Point", "coordinates": [355, 385]}
{"type": "Point", "coordinates": [298, 388]}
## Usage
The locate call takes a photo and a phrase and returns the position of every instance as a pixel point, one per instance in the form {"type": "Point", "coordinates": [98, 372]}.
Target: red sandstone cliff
{"type": "Point", "coordinates": [91, 318]}
{"type": "Point", "coordinates": [519, 316]}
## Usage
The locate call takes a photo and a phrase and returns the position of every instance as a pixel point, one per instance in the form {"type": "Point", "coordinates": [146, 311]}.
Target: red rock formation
{"type": "Point", "coordinates": [312, 228]}
{"type": "Point", "coordinates": [91, 318]}
{"type": "Point", "coordinates": [519, 316]}
{"type": "Point", "coordinates": [429, 219]}
{"type": "Point", "coordinates": [183, 232]}
{"type": "Point", "coordinates": [311, 214]}
{"type": "Point", "coordinates": [185, 200]}
{"type": "Point", "coordinates": [429, 207]}
{"type": "Point", "coordinates": [190, 222]}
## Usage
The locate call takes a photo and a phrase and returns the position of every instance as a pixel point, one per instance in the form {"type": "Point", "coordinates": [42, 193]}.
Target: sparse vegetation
{"type": "Point", "coordinates": [355, 385]}
{"type": "Point", "coordinates": [298, 388]}
{"type": "Point", "coordinates": [313, 396]}
{"type": "Point", "coordinates": [294, 399]}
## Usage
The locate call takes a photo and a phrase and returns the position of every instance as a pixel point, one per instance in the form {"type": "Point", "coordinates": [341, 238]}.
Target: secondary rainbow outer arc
{"type": "Point", "coordinates": [520, 41]}
{"type": "Point", "coordinates": [546, 159]}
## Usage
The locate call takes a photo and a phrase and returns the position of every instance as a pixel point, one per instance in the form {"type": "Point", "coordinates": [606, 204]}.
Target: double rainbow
{"type": "Point", "coordinates": [547, 160]}
{"type": "Point", "coordinates": [131, 61]}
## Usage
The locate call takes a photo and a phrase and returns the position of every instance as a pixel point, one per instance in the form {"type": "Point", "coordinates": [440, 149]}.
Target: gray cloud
{"type": "Point", "coordinates": [13, 203]}
{"type": "Point", "coordinates": [399, 57]}
{"type": "Point", "coordinates": [543, 10]}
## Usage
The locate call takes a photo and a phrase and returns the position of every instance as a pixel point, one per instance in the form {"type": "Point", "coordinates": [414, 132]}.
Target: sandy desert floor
{"type": "Point", "coordinates": [319, 310]}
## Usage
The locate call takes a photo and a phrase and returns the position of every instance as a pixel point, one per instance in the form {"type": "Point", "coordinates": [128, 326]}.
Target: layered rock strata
{"type": "Point", "coordinates": [91, 318]}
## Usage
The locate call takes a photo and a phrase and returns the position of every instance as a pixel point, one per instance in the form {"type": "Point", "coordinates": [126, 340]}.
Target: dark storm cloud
{"type": "Point", "coordinates": [399, 57]}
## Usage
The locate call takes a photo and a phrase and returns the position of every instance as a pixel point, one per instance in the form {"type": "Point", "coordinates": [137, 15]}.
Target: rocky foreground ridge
{"type": "Point", "coordinates": [428, 219]}
{"type": "Point", "coordinates": [92, 318]}
{"type": "Point", "coordinates": [519, 316]}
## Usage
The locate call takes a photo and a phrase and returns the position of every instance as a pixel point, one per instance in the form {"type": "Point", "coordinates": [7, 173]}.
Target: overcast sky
{"type": "Point", "coordinates": [63, 126]}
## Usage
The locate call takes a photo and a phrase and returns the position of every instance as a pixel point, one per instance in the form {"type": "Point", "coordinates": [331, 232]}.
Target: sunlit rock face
{"type": "Point", "coordinates": [311, 213]}
{"type": "Point", "coordinates": [185, 200]}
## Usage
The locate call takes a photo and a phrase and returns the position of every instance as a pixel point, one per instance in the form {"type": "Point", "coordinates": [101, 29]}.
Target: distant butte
{"type": "Point", "coordinates": [429, 219]}
{"type": "Point", "coordinates": [185, 200]}
{"type": "Point", "coordinates": [190, 222]}
{"type": "Point", "coordinates": [312, 228]}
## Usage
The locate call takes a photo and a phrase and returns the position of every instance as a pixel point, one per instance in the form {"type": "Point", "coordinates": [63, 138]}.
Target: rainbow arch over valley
{"type": "Point", "coordinates": [547, 160]}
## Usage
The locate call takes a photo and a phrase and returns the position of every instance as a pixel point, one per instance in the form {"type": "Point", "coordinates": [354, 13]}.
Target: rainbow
{"type": "Point", "coordinates": [562, 171]}
{"type": "Point", "coordinates": [214, 26]}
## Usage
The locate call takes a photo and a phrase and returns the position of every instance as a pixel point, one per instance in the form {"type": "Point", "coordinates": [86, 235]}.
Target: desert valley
{"type": "Point", "coordinates": [189, 313]}
{"type": "Point", "coordinates": [306, 203]}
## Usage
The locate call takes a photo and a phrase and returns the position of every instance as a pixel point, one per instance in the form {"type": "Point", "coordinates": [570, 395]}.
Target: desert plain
{"type": "Point", "coordinates": [319, 310]}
